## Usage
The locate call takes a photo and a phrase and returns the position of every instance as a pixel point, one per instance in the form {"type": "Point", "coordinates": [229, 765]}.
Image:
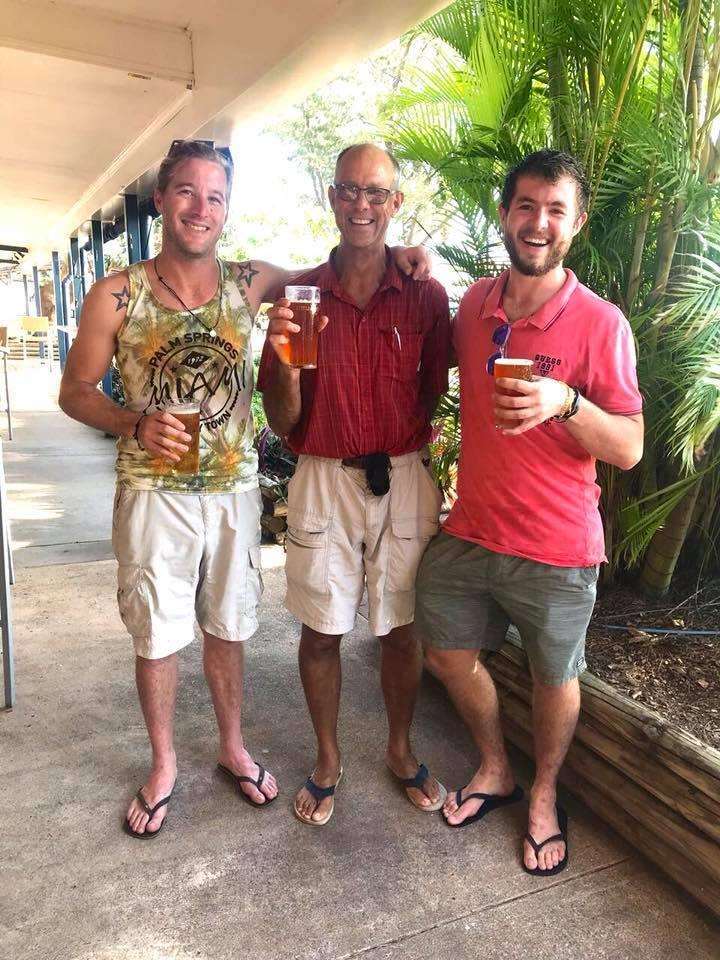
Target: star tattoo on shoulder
{"type": "Point", "coordinates": [246, 272]}
{"type": "Point", "coordinates": [123, 299]}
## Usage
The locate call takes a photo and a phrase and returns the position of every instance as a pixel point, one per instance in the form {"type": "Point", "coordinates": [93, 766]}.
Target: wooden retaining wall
{"type": "Point", "coordinates": [658, 786]}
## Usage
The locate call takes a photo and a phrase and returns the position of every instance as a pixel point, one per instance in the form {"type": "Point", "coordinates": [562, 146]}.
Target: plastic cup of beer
{"type": "Point", "coordinates": [514, 367]}
{"type": "Point", "coordinates": [189, 416]}
{"type": "Point", "coordinates": [304, 303]}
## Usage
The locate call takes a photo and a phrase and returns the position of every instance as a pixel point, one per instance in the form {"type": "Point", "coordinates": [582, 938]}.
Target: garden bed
{"type": "Point", "coordinates": [676, 673]}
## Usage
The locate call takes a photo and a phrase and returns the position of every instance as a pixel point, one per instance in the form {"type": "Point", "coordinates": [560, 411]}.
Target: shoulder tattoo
{"type": "Point", "coordinates": [246, 272]}
{"type": "Point", "coordinates": [123, 299]}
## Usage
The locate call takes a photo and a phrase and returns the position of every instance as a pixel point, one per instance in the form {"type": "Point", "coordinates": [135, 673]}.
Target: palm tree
{"type": "Point", "coordinates": [633, 90]}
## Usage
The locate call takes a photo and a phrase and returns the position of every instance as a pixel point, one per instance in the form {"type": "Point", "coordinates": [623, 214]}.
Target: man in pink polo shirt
{"type": "Point", "coordinates": [524, 539]}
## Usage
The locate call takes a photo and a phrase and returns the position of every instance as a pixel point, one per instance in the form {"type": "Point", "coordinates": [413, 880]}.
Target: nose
{"type": "Point", "coordinates": [542, 219]}
{"type": "Point", "coordinates": [200, 207]}
{"type": "Point", "coordinates": [362, 202]}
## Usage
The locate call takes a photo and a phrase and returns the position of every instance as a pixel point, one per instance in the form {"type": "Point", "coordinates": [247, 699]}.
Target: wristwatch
{"type": "Point", "coordinates": [572, 409]}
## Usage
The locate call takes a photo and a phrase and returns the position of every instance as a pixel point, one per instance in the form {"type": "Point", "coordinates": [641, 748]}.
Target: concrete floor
{"type": "Point", "coordinates": [224, 880]}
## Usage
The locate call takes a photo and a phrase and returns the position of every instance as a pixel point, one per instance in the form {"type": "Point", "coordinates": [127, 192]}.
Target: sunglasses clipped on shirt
{"type": "Point", "coordinates": [500, 337]}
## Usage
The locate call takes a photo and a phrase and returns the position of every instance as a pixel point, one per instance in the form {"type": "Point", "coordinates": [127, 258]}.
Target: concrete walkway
{"type": "Point", "coordinates": [224, 880]}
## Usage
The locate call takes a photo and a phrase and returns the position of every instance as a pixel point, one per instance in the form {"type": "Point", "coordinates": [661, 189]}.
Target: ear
{"type": "Point", "coordinates": [157, 200]}
{"type": "Point", "coordinates": [580, 223]}
{"type": "Point", "coordinates": [502, 213]}
{"type": "Point", "coordinates": [331, 197]}
{"type": "Point", "coordinates": [398, 199]}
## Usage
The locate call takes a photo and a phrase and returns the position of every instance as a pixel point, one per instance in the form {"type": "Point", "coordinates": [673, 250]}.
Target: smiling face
{"type": "Point", "coordinates": [540, 223]}
{"type": "Point", "coordinates": [194, 208]}
{"type": "Point", "coordinates": [363, 224]}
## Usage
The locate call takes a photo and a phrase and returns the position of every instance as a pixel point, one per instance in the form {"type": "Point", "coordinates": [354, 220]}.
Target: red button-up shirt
{"type": "Point", "coordinates": [379, 367]}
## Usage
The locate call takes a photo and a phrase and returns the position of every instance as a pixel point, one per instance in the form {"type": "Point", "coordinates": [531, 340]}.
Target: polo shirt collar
{"type": "Point", "coordinates": [548, 312]}
{"type": "Point", "coordinates": [328, 279]}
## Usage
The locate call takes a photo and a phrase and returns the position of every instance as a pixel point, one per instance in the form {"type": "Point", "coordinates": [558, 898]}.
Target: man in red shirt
{"type": "Point", "coordinates": [362, 505]}
{"type": "Point", "coordinates": [524, 539]}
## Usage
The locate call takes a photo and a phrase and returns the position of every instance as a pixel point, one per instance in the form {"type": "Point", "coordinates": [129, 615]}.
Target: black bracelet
{"type": "Point", "coordinates": [135, 436]}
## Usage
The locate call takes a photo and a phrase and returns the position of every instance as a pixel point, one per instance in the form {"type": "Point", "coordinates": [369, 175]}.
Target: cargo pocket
{"type": "Point", "coordinates": [306, 544]}
{"type": "Point", "coordinates": [133, 600]}
{"type": "Point", "coordinates": [415, 502]}
{"type": "Point", "coordinates": [253, 582]}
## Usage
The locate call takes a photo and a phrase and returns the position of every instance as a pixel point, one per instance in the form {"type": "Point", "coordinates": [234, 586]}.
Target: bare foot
{"type": "Point", "coordinates": [157, 786]}
{"type": "Point", "coordinates": [500, 782]}
{"type": "Point", "coordinates": [404, 766]}
{"type": "Point", "coordinates": [543, 823]}
{"type": "Point", "coordinates": [325, 774]}
{"type": "Point", "coordinates": [243, 765]}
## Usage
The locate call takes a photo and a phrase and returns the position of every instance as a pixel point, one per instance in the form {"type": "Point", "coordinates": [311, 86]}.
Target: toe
{"type": "Point", "coordinates": [530, 859]}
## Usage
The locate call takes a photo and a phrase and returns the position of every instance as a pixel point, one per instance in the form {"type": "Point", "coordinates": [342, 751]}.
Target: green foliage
{"type": "Point", "coordinates": [632, 90]}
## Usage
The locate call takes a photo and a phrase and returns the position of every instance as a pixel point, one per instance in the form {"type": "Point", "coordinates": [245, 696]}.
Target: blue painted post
{"type": "Point", "coordinates": [38, 309]}
{"type": "Point", "coordinates": [132, 228]}
{"type": "Point", "coordinates": [96, 241]}
{"type": "Point", "coordinates": [60, 317]}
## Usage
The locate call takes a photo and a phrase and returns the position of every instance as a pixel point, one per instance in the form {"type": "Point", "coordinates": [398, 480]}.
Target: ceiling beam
{"type": "Point", "coordinates": [139, 47]}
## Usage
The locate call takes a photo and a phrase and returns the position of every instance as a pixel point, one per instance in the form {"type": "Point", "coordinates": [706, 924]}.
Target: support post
{"type": "Point", "coordinates": [132, 228]}
{"type": "Point", "coordinates": [96, 241]}
{"type": "Point", "coordinates": [60, 315]}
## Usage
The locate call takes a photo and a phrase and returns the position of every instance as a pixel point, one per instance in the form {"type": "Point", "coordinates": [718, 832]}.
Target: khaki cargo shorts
{"type": "Point", "coordinates": [467, 597]}
{"type": "Point", "coordinates": [341, 537]}
{"type": "Point", "coordinates": [186, 556]}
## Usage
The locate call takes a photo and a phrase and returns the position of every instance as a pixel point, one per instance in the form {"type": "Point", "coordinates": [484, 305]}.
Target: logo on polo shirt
{"type": "Point", "coordinates": [546, 364]}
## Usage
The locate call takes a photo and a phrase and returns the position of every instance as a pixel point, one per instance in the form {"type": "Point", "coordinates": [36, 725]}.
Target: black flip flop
{"type": "Point", "coordinates": [236, 779]}
{"type": "Point", "coordinates": [492, 802]}
{"type": "Point", "coordinates": [537, 847]}
{"type": "Point", "coordinates": [150, 811]}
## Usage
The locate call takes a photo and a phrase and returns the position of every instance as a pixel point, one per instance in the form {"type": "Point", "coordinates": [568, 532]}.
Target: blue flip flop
{"type": "Point", "coordinates": [320, 793]}
{"type": "Point", "coordinates": [492, 802]}
{"type": "Point", "coordinates": [417, 782]}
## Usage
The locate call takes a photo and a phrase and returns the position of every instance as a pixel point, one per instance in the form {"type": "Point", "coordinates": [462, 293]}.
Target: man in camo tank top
{"type": "Point", "coordinates": [187, 545]}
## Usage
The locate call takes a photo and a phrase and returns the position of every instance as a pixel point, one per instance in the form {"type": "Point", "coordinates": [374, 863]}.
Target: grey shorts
{"type": "Point", "coordinates": [467, 597]}
{"type": "Point", "coordinates": [184, 556]}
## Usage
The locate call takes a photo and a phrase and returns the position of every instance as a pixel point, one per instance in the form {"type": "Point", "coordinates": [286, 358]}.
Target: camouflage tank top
{"type": "Point", "coordinates": [169, 356]}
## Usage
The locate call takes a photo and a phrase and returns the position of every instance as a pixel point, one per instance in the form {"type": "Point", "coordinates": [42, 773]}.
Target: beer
{"type": "Point", "coordinates": [304, 303]}
{"type": "Point", "coordinates": [189, 416]}
{"type": "Point", "coordinates": [518, 369]}
{"type": "Point", "coordinates": [514, 367]}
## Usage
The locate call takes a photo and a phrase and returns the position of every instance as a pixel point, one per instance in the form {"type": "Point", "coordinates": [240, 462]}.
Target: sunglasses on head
{"type": "Point", "coordinates": [181, 146]}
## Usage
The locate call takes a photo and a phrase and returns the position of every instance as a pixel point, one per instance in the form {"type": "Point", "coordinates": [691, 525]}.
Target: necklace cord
{"type": "Point", "coordinates": [186, 308]}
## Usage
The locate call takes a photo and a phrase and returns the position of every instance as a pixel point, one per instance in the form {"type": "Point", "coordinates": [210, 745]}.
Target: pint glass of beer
{"type": "Point", "coordinates": [518, 369]}
{"type": "Point", "coordinates": [189, 415]}
{"type": "Point", "coordinates": [304, 303]}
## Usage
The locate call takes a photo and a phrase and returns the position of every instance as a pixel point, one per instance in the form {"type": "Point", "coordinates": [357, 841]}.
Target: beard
{"type": "Point", "coordinates": [554, 256]}
{"type": "Point", "coordinates": [174, 239]}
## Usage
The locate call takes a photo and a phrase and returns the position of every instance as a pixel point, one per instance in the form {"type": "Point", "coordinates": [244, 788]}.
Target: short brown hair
{"type": "Point", "coordinates": [181, 150]}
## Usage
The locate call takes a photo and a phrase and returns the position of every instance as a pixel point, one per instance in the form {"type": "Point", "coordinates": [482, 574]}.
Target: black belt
{"type": "Point", "coordinates": [377, 469]}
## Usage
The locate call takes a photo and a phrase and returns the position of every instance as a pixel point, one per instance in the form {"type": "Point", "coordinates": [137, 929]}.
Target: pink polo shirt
{"type": "Point", "coordinates": [536, 495]}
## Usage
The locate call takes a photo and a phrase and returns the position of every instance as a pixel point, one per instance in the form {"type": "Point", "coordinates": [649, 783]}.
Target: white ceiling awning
{"type": "Point", "coordinates": [92, 94]}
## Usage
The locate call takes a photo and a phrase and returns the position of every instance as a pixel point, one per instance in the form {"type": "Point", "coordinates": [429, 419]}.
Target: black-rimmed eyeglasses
{"type": "Point", "coordinates": [351, 191]}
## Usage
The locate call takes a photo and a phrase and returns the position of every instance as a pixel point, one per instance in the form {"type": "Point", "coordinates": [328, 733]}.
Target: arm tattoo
{"type": "Point", "coordinates": [246, 272]}
{"type": "Point", "coordinates": [123, 299]}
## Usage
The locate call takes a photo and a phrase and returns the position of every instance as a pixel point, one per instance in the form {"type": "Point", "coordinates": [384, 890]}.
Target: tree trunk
{"type": "Point", "coordinates": [662, 554]}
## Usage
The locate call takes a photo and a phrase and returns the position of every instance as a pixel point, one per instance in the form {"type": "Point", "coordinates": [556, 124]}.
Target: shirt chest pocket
{"type": "Point", "coordinates": [400, 351]}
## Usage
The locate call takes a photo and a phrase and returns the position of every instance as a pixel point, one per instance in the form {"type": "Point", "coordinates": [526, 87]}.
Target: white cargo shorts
{"type": "Point", "coordinates": [183, 557]}
{"type": "Point", "coordinates": [341, 537]}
